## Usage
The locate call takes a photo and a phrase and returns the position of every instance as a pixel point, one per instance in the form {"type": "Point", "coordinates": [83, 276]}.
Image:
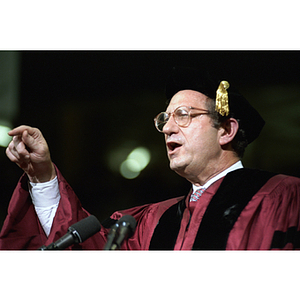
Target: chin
{"type": "Point", "coordinates": [178, 168]}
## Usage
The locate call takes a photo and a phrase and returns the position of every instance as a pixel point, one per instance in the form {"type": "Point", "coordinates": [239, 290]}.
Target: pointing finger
{"type": "Point", "coordinates": [19, 130]}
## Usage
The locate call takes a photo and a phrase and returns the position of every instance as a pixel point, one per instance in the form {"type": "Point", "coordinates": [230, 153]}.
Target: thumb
{"type": "Point", "coordinates": [28, 140]}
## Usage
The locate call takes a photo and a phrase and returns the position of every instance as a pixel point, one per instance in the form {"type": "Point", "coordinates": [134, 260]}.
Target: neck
{"type": "Point", "coordinates": [209, 173]}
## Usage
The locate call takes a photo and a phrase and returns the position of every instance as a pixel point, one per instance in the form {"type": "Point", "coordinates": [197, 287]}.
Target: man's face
{"type": "Point", "coordinates": [195, 149]}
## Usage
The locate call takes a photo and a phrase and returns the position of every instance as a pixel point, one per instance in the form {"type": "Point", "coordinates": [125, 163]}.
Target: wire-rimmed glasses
{"type": "Point", "coordinates": [182, 116]}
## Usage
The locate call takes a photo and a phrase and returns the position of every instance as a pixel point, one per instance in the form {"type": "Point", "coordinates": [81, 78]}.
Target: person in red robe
{"type": "Point", "coordinates": [207, 127]}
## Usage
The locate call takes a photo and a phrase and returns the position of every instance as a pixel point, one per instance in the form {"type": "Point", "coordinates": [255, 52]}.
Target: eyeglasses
{"type": "Point", "coordinates": [182, 116]}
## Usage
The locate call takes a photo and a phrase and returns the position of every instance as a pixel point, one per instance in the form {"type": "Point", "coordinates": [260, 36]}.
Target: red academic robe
{"type": "Point", "coordinates": [273, 210]}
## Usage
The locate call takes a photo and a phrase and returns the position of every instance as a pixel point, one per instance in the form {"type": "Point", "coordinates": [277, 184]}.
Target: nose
{"type": "Point", "coordinates": [170, 127]}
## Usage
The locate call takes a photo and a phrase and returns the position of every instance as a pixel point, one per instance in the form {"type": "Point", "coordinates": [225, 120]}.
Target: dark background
{"type": "Point", "coordinates": [90, 105]}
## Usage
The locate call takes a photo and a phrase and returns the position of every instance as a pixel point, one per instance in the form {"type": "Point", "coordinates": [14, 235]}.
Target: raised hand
{"type": "Point", "coordinates": [29, 150]}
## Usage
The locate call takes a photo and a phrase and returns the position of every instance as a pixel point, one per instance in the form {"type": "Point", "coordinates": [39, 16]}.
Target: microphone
{"type": "Point", "coordinates": [124, 228]}
{"type": "Point", "coordinates": [77, 233]}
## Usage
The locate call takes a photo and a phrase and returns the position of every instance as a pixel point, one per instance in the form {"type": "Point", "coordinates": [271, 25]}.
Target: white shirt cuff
{"type": "Point", "coordinates": [45, 198]}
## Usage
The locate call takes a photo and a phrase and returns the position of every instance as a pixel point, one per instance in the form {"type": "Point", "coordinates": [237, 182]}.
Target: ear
{"type": "Point", "coordinates": [228, 131]}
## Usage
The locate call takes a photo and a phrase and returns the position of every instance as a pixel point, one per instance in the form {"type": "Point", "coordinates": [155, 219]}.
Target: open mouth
{"type": "Point", "coordinates": [172, 146]}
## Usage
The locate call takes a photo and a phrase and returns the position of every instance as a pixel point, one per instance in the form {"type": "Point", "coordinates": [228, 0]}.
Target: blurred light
{"type": "Point", "coordinates": [141, 156]}
{"type": "Point", "coordinates": [126, 170]}
{"type": "Point", "coordinates": [136, 161]}
{"type": "Point", "coordinates": [4, 137]}
{"type": "Point", "coordinates": [9, 92]}
{"type": "Point", "coordinates": [133, 165]}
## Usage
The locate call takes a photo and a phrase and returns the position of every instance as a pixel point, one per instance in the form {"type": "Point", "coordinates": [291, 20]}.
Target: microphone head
{"type": "Point", "coordinates": [85, 228]}
{"type": "Point", "coordinates": [128, 221]}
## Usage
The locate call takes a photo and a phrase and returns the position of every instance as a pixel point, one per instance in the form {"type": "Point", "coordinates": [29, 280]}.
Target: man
{"type": "Point", "coordinates": [207, 126]}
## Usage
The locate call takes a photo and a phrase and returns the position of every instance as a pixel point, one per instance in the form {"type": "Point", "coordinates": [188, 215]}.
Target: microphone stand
{"type": "Point", "coordinates": [111, 237]}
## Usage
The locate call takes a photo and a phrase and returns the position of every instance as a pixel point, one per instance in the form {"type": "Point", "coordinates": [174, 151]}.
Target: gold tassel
{"type": "Point", "coordinates": [222, 106]}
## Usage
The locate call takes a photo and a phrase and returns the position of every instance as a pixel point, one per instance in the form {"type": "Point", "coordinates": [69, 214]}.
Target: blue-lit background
{"type": "Point", "coordinates": [95, 107]}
